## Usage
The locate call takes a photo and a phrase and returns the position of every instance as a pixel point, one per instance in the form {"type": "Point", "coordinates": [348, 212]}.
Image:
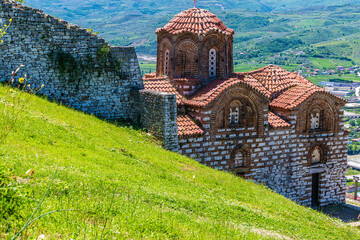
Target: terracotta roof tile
{"type": "Point", "coordinates": [277, 122]}
{"type": "Point", "coordinates": [187, 127]}
{"type": "Point", "coordinates": [207, 94]}
{"type": "Point", "coordinates": [163, 85]}
{"type": "Point", "coordinates": [284, 89]}
{"type": "Point", "coordinates": [294, 96]}
{"type": "Point", "coordinates": [276, 79]}
{"type": "Point", "coordinates": [197, 21]}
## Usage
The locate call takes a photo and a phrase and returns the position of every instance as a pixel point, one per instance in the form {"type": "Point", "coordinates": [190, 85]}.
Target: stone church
{"type": "Point", "coordinates": [270, 125]}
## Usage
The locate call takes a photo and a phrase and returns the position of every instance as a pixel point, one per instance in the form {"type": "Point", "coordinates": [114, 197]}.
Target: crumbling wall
{"type": "Point", "coordinates": [158, 114]}
{"type": "Point", "coordinates": [76, 67]}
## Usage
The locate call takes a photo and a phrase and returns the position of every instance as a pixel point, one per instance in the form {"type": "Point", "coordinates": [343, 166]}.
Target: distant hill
{"type": "Point", "coordinates": [151, 7]}
{"type": "Point", "coordinates": [263, 27]}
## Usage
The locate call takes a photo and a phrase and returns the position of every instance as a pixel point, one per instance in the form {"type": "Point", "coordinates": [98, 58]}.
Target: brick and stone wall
{"type": "Point", "coordinates": [279, 158]}
{"type": "Point", "coordinates": [76, 67]}
{"type": "Point", "coordinates": [157, 111]}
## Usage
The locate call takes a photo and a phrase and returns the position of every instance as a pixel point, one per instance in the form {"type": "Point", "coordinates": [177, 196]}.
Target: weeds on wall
{"type": "Point", "coordinates": [72, 67]}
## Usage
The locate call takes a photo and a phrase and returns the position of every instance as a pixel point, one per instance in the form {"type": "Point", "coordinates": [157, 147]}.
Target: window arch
{"type": "Point", "coordinates": [317, 154]}
{"type": "Point", "coordinates": [240, 160]}
{"type": "Point", "coordinates": [212, 62]}
{"type": "Point", "coordinates": [187, 59]}
{"type": "Point", "coordinates": [240, 113]}
{"type": "Point", "coordinates": [319, 116]}
{"type": "Point", "coordinates": [166, 62]}
{"type": "Point", "coordinates": [234, 115]}
{"type": "Point", "coordinates": [315, 119]}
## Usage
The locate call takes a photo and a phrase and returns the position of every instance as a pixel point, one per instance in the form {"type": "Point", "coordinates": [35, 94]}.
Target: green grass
{"type": "Point", "coordinates": [347, 77]}
{"type": "Point", "coordinates": [147, 67]}
{"type": "Point", "coordinates": [351, 171]}
{"type": "Point", "coordinates": [241, 67]}
{"type": "Point", "coordinates": [327, 63]}
{"type": "Point", "coordinates": [157, 194]}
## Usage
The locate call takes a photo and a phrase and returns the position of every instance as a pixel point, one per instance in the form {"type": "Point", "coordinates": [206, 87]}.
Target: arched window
{"type": "Point", "coordinates": [239, 160]}
{"type": "Point", "coordinates": [234, 115]}
{"type": "Point", "coordinates": [316, 156]}
{"type": "Point", "coordinates": [240, 113]}
{"type": "Point", "coordinates": [166, 62]}
{"type": "Point", "coordinates": [315, 120]}
{"type": "Point", "coordinates": [317, 153]}
{"type": "Point", "coordinates": [212, 63]}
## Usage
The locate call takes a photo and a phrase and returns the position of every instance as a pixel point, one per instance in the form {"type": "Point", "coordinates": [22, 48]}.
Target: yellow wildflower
{"type": "Point", "coordinates": [42, 86]}
{"type": "Point", "coordinates": [21, 80]}
{"type": "Point", "coordinates": [10, 20]}
{"type": "Point", "coordinates": [10, 90]}
{"type": "Point", "coordinates": [2, 41]}
{"type": "Point", "coordinates": [5, 25]}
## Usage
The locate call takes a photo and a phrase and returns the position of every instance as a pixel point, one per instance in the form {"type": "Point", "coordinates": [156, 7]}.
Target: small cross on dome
{"type": "Point", "coordinates": [195, 3]}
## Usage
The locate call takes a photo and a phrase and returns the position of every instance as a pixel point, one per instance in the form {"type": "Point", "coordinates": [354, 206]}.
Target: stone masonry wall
{"type": "Point", "coordinates": [158, 113]}
{"type": "Point", "coordinates": [279, 159]}
{"type": "Point", "coordinates": [76, 67]}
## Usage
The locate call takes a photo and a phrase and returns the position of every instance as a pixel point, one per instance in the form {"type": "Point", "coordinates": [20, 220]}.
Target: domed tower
{"type": "Point", "coordinates": [194, 48]}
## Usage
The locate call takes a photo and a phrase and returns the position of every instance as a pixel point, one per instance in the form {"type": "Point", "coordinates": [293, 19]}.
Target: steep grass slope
{"type": "Point", "coordinates": [124, 186]}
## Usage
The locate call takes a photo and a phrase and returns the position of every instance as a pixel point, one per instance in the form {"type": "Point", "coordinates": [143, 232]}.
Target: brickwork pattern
{"type": "Point", "coordinates": [279, 158]}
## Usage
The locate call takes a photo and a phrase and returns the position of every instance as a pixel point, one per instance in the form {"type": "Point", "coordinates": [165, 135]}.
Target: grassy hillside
{"type": "Point", "coordinates": [120, 183]}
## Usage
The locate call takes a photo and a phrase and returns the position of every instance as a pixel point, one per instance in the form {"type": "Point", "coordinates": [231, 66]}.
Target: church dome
{"type": "Point", "coordinates": [197, 21]}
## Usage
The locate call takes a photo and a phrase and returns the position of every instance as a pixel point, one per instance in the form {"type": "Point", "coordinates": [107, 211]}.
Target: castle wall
{"type": "Point", "coordinates": [279, 159]}
{"type": "Point", "coordinates": [76, 67]}
{"type": "Point", "coordinates": [158, 114]}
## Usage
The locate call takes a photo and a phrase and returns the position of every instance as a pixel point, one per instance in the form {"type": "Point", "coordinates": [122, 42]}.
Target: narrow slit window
{"type": "Point", "coordinates": [212, 63]}
{"type": "Point", "coordinates": [166, 65]}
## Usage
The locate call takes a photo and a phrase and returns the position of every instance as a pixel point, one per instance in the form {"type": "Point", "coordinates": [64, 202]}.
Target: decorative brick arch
{"type": "Point", "coordinates": [217, 42]}
{"type": "Point", "coordinates": [165, 45]}
{"type": "Point", "coordinates": [322, 105]}
{"type": "Point", "coordinates": [240, 159]}
{"type": "Point", "coordinates": [187, 59]}
{"type": "Point", "coordinates": [238, 92]}
{"type": "Point", "coordinates": [322, 149]}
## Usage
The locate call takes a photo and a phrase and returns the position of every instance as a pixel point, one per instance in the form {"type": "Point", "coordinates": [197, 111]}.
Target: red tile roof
{"type": "Point", "coordinates": [284, 89]}
{"type": "Point", "coordinates": [187, 127]}
{"type": "Point", "coordinates": [163, 85]}
{"type": "Point", "coordinates": [277, 122]}
{"type": "Point", "coordinates": [197, 21]}
{"type": "Point", "coordinates": [276, 79]}
{"type": "Point", "coordinates": [293, 97]}
{"type": "Point", "coordinates": [207, 94]}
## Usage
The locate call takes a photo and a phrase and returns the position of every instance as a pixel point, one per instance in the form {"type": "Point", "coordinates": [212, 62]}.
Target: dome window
{"type": "Point", "coordinates": [212, 63]}
{"type": "Point", "coordinates": [166, 65]}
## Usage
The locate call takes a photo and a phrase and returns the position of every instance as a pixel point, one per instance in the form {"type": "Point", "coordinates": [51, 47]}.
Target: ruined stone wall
{"type": "Point", "coordinates": [76, 67]}
{"type": "Point", "coordinates": [279, 159]}
{"type": "Point", "coordinates": [158, 114]}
